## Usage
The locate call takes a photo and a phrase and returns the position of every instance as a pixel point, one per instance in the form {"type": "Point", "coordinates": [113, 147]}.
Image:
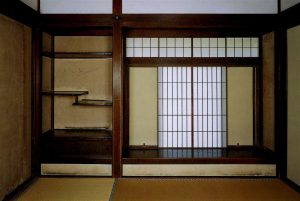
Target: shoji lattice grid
{"type": "Point", "coordinates": [192, 47]}
{"type": "Point", "coordinates": [192, 107]}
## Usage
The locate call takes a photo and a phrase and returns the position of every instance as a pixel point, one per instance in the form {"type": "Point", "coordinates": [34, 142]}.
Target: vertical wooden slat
{"type": "Point", "coordinates": [257, 103]}
{"type": "Point", "coordinates": [36, 103]}
{"type": "Point", "coordinates": [281, 102]}
{"type": "Point", "coordinates": [39, 6]}
{"type": "Point", "coordinates": [52, 81]}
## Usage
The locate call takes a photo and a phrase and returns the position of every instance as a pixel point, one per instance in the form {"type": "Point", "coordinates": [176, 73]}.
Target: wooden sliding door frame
{"type": "Point", "coordinates": [255, 63]}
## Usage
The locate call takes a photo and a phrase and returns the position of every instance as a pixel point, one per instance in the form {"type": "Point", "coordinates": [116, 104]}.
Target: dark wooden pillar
{"type": "Point", "coordinates": [117, 91]}
{"type": "Point", "coordinates": [36, 102]}
{"type": "Point", "coordinates": [281, 102]}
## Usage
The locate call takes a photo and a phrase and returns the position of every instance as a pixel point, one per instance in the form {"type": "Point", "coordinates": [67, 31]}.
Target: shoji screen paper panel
{"type": "Point", "coordinates": [193, 47]}
{"type": "Point", "coordinates": [199, 6]}
{"type": "Point", "coordinates": [76, 6]}
{"type": "Point", "coordinates": [192, 107]}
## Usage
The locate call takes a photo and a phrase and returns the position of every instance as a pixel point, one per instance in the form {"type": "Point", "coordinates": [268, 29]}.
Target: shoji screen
{"type": "Point", "coordinates": [192, 107]}
{"type": "Point", "coordinates": [193, 47]}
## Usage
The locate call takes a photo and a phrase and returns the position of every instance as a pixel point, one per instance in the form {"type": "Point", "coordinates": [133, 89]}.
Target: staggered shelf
{"type": "Point", "coordinates": [93, 102]}
{"type": "Point", "coordinates": [65, 93]}
{"type": "Point", "coordinates": [78, 55]}
{"type": "Point", "coordinates": [82, 63]}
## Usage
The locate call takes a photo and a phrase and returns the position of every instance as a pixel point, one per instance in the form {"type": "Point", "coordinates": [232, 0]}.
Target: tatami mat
{"type": "Point", "coordinates": [203, 190]}
{"type": "Point", "coordinates": [69, 189]}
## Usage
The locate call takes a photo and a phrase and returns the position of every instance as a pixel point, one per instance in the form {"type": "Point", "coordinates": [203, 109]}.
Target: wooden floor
{"type": "Point", "coordinates": [132, 189]}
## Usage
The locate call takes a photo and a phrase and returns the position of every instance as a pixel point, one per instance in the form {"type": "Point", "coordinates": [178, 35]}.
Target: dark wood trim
{"type": "Point", "coordinates": [198, 161]}
{"type": "Point", "coordinates": [39, 6]}
{"type": "Point", "coordinates": [126, 106]}
{"type": "Point", "coordinates": [78, 55]}
{"type": "Point", "coordinates": [230, 155]}
{"type": "Point", "coordinates": [290, 17]}
{"type": "Point", "coordinates": [187, 32]}
{"type": "Point", "coordinates": [281, 102]}
{"type": "Point", "coordinates": [76, 21]}
{"type": "Point", "coordinates": [278, 6]}
{"type": "Point", "coordinates": [52, 81]}
{"type": "Point", "coordinates": [19, 11]}
{"type": "Point", "coordinates": [258, 100]}
{"type": "Point", "coordinates": [141, 147]}
{"type": "Point", "coordinates": [184, 61]}
{"type": "Point", "coordinates": [226, 22]}
{"type": "Point", "coordinates": [36, 101]}
{"type": "Point", "coordinates": [292, 184]}
{"type": "Point", "coordinates": [117, 8]}
{"type": "Point", "coordinates": [117, 100]}
{"type": "Point", "coordinates": [14, 195]}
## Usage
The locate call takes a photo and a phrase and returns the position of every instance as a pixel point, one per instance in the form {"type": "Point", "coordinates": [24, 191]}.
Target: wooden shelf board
{"type": "Point", "coordinates": [65, 93]}
{"type": "Point", "coordinates": [78, 55]}
{"type": "Point", "coordinates": [78, 134]}
{"type": "Point", "coordinates": [90, 102]}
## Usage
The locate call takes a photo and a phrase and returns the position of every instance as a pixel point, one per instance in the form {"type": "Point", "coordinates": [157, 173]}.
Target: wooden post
{"type": "Point", "coordinates": [117, 91]}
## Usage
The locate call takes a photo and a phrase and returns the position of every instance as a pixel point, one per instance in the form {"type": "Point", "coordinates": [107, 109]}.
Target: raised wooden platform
{"type": "Point", "coordinates": [230, 155]}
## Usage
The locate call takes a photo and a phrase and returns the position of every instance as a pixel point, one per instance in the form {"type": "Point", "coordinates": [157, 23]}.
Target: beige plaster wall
{"type": "Point", "coordinates": [293, 144]}
{"type": "Point", "coordinates": [143, 106]}
{"type": "Point", "coordinates": [15, 104]}
{"type": "Point", "coordinates": [83, 44]}
{"type": "Point", "coordinates": [268, 91]}
{"type": "Point", "coordinates": [240, 105]}
{"type": "Point", "coordinates": [92, 75]}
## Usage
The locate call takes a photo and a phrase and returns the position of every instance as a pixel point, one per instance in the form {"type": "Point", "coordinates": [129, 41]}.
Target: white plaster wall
{"type": "Point", "coordinates": [76, 6]}
{"type": "Point", "coordinates": [199, 6]}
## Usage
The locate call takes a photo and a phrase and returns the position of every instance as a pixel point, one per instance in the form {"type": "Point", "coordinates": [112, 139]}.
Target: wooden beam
{"type": "Point", "coordinates": [184, 61]}
{"type": "Point", "coordinates": [20, 12]}
{"type": "Point", "coordinates": [188, 33]}
{"type": "Point", "coordinates": [260, 22]}
{"type": "Point", "coordinates": [76, 21]}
